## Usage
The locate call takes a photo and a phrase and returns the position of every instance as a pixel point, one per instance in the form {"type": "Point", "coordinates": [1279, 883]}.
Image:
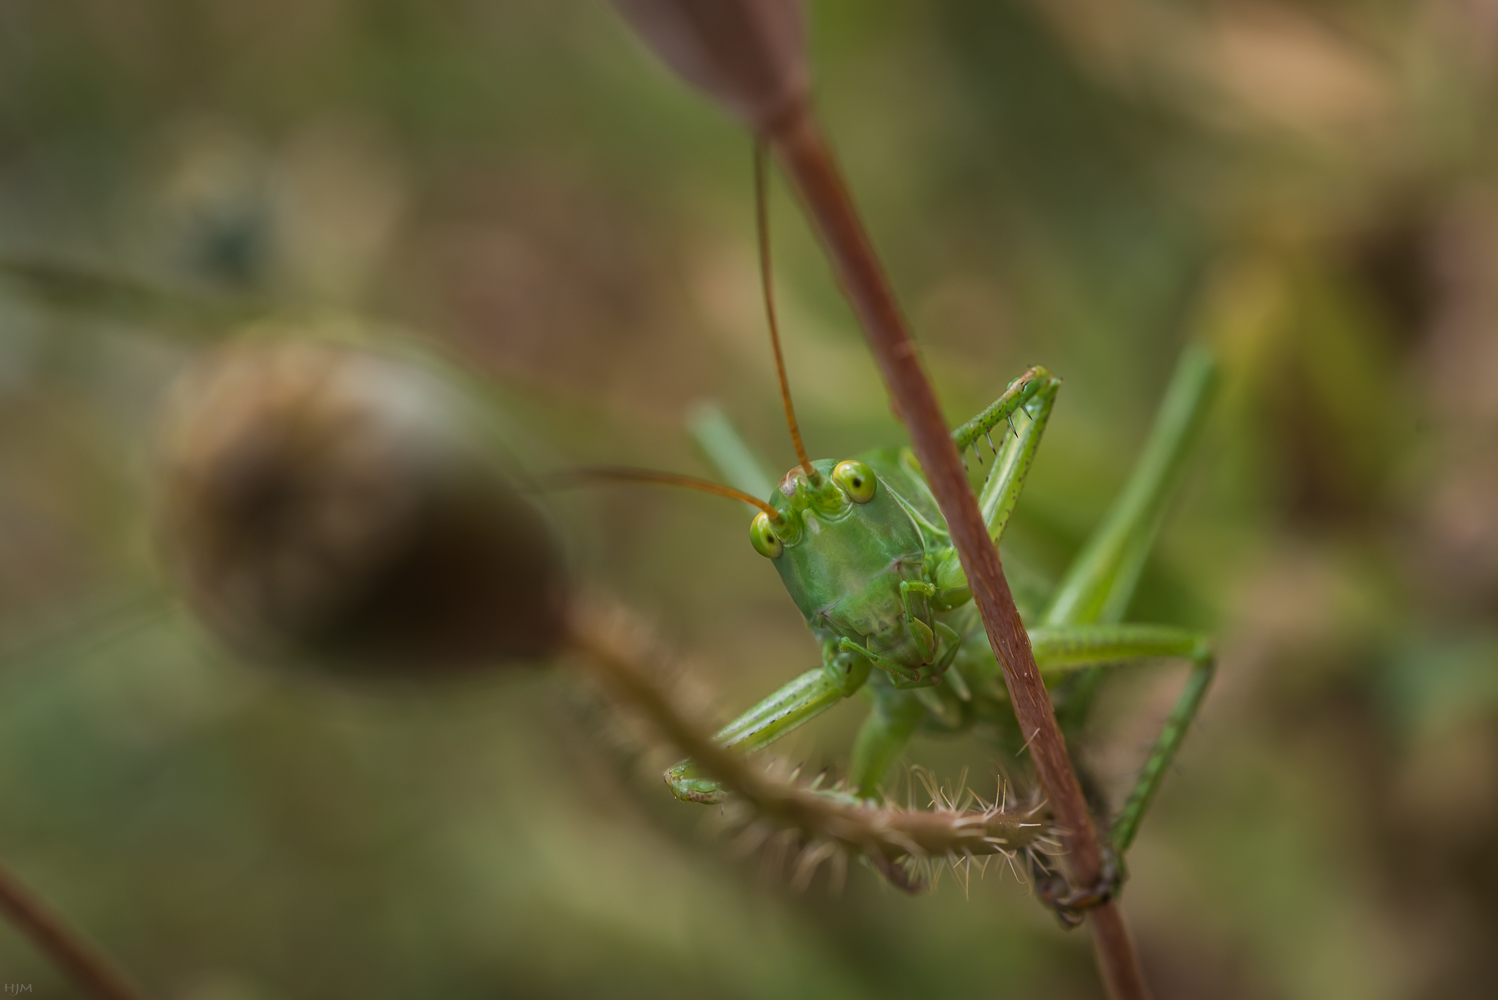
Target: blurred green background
{"type": "Point", "coordinates": [1078, 183]}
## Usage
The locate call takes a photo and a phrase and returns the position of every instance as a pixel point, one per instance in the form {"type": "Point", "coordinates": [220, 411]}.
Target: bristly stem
{"type": "Point", "coordinates": [65, 946]}
{"type": "Point", "coordinates": [799, 144]}
{"type": "Point", "coordinates": [614, 647]}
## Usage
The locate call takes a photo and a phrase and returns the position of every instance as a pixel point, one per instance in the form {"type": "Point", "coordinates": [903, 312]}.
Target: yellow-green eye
{"type": "Point", "coordinates": [856, 479]}
{"type": "Point", "coordinates": [765, 542]}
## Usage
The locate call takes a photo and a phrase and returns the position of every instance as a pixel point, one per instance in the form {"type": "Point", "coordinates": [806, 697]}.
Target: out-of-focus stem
{"type": "Point", "coordinates": [803, 153]}
{"type": "Point", "coordinates": [66, 947]}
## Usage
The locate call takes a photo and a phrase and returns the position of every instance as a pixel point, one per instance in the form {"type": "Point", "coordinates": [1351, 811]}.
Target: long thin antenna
{"type": "Point", "coordinates": [629, 474]}
{"type": "Point", "coordinates": [762, 218]}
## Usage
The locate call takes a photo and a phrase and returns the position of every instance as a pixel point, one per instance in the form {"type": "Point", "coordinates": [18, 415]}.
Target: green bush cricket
{"type": "Point", "coordinates": [865, 554]}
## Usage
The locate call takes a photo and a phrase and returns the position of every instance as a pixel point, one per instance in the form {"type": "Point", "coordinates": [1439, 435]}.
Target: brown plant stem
{"type": "Point", "coordinates": [799, 144]}
{"type": "Point", "coordinates": [616, 649]}
{"type": "Point", "coordinates": [65, 946]}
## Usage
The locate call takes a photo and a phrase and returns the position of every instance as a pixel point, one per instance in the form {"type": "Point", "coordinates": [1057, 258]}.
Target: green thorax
{"type": "Point", "coordinates": [843, 562]}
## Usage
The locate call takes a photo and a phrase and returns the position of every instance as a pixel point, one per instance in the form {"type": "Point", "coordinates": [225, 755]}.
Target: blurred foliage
{"type": "Point", "coordinates": [1081, 184]}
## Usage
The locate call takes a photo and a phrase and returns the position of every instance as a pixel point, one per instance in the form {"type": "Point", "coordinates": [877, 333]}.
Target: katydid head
{"type": "Point", "coordinates": [847, 547]}
{"type": "Point", "coordinates": [842, 542]}
{"type": "Point", "coordinates": [841, 545]}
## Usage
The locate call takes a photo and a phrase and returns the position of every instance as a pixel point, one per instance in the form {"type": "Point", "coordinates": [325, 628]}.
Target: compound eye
{"type": "Point", "coordinates": [856, 479]}
{"type": "Point", "coordinates": [765, 542]}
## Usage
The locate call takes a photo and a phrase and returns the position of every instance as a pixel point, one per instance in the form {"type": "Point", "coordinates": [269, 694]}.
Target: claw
{"type": "Point", "coordinates": [1071, 905]}
{"type": "Point", "coordinates": [688, 784]}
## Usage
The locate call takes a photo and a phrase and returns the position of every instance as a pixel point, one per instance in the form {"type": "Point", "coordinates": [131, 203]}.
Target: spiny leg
{"type": "Point", "coordinates": [1017, 394]}
{"type": "Point", "coordinates": [1012, 462]}
{"type": "Point", "coordinates": [1033, 394]}
{"type": "Point", "coordinates": [801, 700]}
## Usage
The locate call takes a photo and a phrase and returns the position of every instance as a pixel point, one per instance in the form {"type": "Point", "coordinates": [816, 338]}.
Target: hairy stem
{"type": "Point", "coordinates": [803, 152]}
{"type": "Point", "coordinates": [65, 946]}
{"type": "Point", "coordinates": [614, 648]}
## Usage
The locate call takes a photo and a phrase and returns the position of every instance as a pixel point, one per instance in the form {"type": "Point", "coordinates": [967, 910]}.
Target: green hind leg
{"type": "Point", "coordinates": [1100, 582]}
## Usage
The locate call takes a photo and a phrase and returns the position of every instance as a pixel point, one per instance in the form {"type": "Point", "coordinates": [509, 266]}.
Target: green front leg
{"type": "Point", "coordinates": [1012, 463]}
{"type": "Point", "coordinates": [803, 699]}
{"type": "Point", "coordinates": [1030, 397]}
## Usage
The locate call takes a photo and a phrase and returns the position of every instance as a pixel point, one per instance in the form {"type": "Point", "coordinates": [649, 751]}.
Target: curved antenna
{"type": "Point", "coordinates": [762, 219]}
{"type": "Point", "coordinates": [629, 474]}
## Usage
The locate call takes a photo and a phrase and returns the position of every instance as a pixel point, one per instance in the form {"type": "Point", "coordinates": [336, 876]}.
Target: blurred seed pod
{"type": "Point", "coordinates": [344, 509]}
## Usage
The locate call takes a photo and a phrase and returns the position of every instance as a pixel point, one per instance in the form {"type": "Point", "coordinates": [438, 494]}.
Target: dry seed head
{"type": "Point", "coordinates": [748, 55]}
{"type": "Point", "coordinates": [338, 507]}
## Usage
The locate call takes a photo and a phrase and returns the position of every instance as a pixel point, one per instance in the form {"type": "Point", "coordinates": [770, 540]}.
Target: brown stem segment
{"type": "Point", "coordinates": [67, 948]}
{"type": "Point", "coordinates": [803, 152]}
